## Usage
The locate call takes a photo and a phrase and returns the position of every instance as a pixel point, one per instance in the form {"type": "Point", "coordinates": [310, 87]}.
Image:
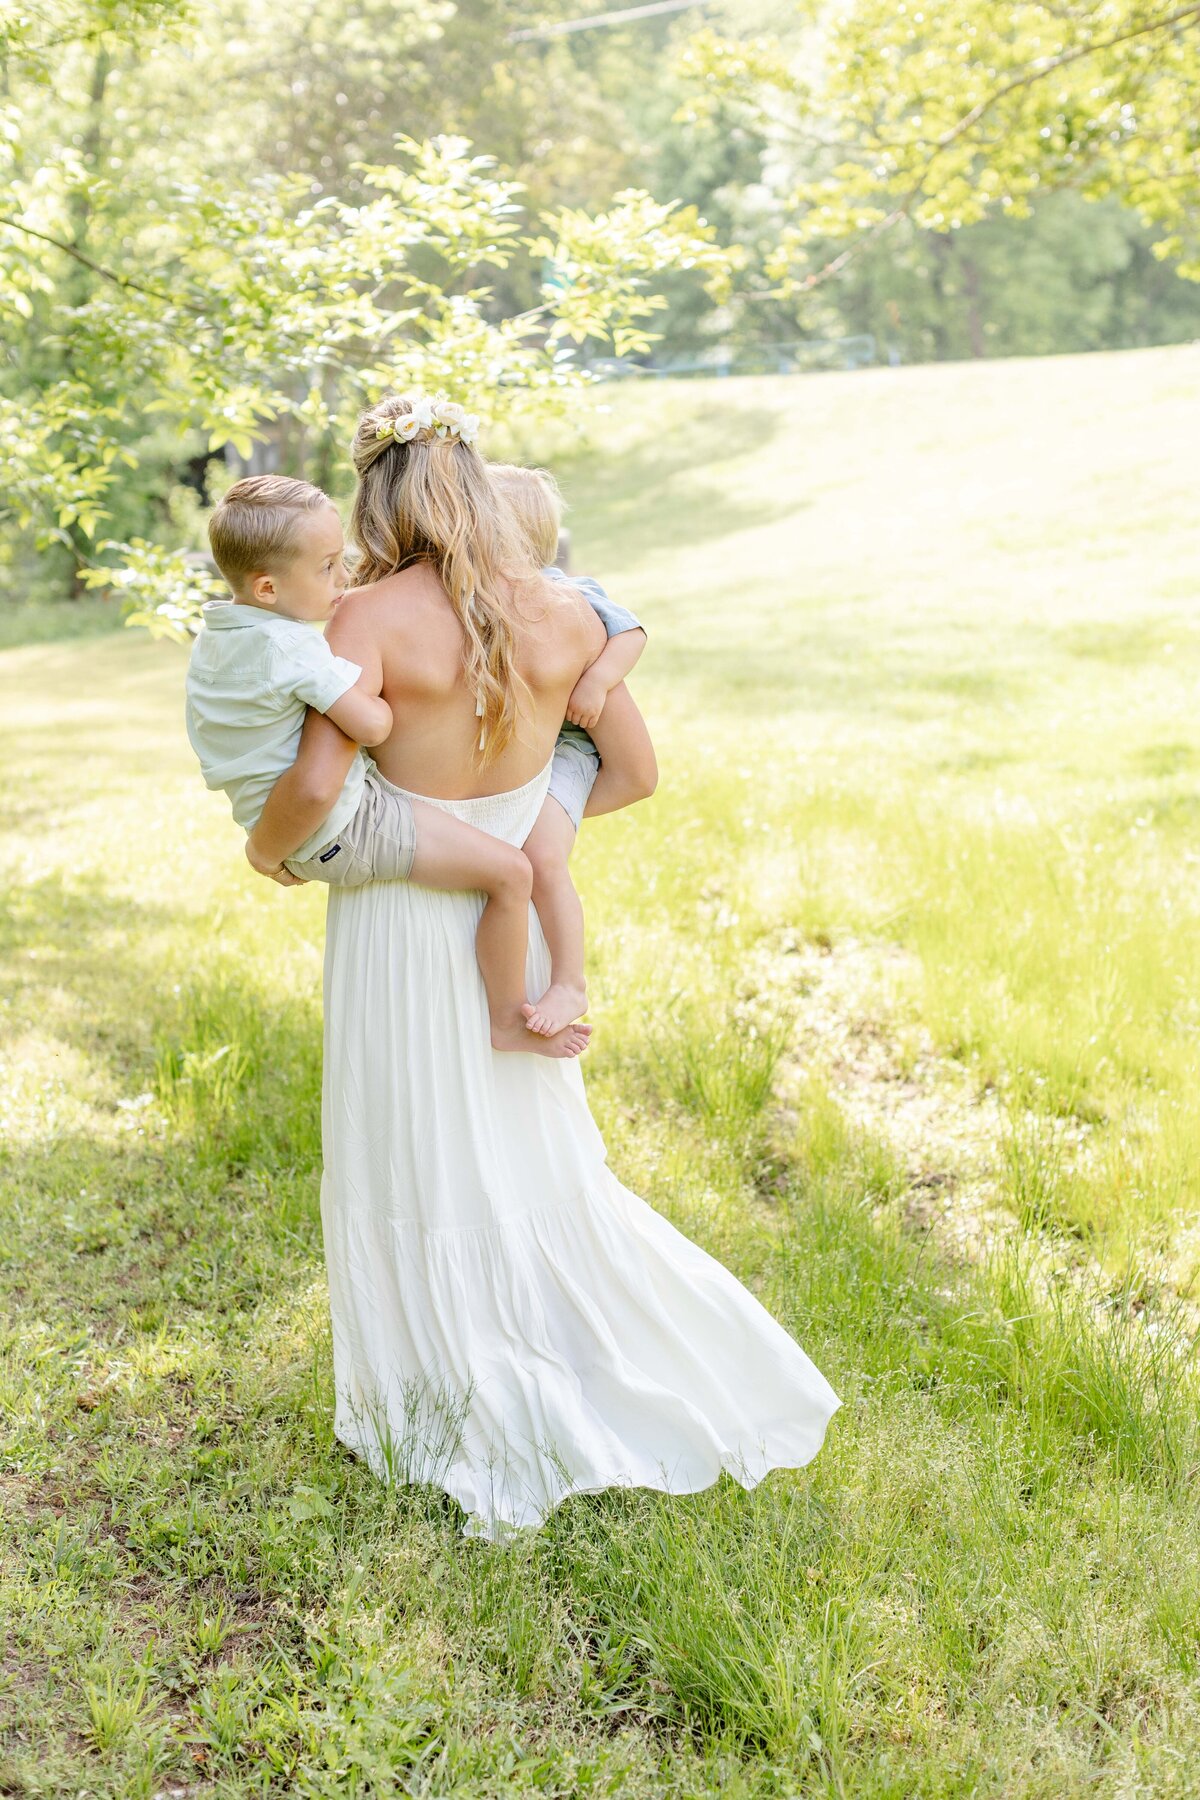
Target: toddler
{"type": "Point", "coordinates": [258, 663]}
{"type": "Point", "coordinates": [533, 496]}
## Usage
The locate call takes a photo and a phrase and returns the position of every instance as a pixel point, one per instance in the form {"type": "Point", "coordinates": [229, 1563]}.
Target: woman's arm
{"type": "Point", "coordinates": [628, 766]}
{"type": "Point", "coordinates": [307, 792]}
{"type": "Point", "coordinates": [303, 796]}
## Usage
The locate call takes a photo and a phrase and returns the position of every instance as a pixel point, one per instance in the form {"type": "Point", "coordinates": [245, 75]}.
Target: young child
{"type": "Point", "coordinates": [255, 667]}
{"type": "Point", "coordinates": [533, 496]}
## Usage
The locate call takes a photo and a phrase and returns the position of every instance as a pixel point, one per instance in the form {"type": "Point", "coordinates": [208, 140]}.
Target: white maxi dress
{"type": "Point", "coordinates": [510, 1323]}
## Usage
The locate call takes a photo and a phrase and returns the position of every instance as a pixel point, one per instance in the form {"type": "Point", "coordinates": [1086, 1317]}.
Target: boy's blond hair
{"type": "Point", "coordinates": [536, 503]}
{"type": "Point", "coordinates": [253, 529]}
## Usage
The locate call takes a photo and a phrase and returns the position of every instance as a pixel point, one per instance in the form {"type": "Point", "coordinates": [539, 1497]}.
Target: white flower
{"type": "Point", "coordinates": [448, 418]}
{"type": "Point", "coordinates": [444, 417]}
{"type": "Point", "coordinates": [453, 420]}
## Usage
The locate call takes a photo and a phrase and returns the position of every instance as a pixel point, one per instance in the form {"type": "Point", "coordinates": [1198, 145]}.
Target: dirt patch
{"type": "Point", "coordinates": [963, 1148]}
{"type": "Point", "coordinates": [856, 1036]}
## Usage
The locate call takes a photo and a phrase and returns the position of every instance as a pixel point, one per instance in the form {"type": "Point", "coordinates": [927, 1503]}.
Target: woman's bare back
{"type": "Point", "coordinates": [405, 628]}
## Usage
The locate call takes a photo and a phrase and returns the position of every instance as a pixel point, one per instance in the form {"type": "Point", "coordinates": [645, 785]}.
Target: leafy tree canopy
{"type": "Point", "coordinates": [950, 113]}
{"type": "Point", "coordinates": [165, 273]}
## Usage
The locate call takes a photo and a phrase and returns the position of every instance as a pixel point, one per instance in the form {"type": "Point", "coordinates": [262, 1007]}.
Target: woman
{"type": "Point", "coordinates": [509, 1322]}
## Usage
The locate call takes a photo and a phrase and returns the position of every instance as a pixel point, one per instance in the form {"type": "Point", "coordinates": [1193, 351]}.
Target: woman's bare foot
{"type": "Point", "coordinates": [559, 1006]}
{"type": "Point", "coordinates": [571, 1041]}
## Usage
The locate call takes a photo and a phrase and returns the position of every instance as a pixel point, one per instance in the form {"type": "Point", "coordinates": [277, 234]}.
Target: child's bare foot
{"type": "Point", "coordinates": [559, 1006]}
{"type": "Point", "coordinates": [571, 1041]}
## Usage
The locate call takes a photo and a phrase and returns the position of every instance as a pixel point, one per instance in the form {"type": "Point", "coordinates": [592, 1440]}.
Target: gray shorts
{"type": "Point", "coordinates": [378, 844]}
{"type": "Point", "coordinates": [573, 774]}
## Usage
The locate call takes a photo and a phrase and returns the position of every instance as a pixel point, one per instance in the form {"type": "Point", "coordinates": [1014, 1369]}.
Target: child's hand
{"type": "Point", "coordinates": [275, 871]}
{"type": "Point", "coordinates": [587, 700]}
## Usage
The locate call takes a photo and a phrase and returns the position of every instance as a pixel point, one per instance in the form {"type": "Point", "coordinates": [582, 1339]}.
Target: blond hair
{"type": "Point", "coordinates": [254, 525]}
{"type": "Point", "coordinates": [432, 500]}
{"type": "Point", "coordinates": [536, 503]}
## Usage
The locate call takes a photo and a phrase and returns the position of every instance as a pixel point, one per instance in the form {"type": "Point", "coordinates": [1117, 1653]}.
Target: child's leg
{"type": "Point", "coordinates": [451, 854]}
{"type": "Point", "coordinates": [548, 848]}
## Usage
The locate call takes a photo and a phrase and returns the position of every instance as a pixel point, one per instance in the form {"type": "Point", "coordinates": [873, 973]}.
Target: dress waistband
{"type": "Point", "coordinates": [471, 800]}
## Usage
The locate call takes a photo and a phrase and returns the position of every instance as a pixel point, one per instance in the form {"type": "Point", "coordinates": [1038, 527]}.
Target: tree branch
{"type": "Point", "coordinates": [847, 256]}
{"type": "Point", "coordinates": [1050, 65]}
{"type": "Point", "coordinates": [1182, 15]}
{"type": "Point", "coordinates": [121, 281]}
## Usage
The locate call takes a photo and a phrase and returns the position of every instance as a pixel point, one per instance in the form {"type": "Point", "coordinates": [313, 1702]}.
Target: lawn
{"type": "Point", "coordinates": [897, 1001]}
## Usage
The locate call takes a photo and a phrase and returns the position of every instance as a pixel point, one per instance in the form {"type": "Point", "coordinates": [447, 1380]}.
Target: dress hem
{"type": "Point", "coordinates": [499, 1527]}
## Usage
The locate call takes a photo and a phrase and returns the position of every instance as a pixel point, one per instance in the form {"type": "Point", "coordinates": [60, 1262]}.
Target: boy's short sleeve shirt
{"type": "Point", "coordinates": [615, 619]}
{"type": "Point", "coordinates": [250, 677]}
{"type": "Point", "coordinates": [303, 664]}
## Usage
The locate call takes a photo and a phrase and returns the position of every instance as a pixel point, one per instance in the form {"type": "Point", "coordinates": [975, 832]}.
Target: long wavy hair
{"type": "Point", "coordinates": [432, 500]}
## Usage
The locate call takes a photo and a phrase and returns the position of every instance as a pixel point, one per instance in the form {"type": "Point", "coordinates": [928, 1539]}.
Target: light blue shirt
{"type": "Point", "coordinates": [250, 677]}
{"type": "Point", "coordinates": [615, 619]}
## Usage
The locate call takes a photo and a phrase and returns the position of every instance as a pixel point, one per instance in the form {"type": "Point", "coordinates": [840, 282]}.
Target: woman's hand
{"type": "Point", "coordinates": [276, 871]}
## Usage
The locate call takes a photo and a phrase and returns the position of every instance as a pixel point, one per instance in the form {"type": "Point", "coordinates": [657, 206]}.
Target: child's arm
{"type": "Point", "coordinates": [303, 796]}
{"type": "Point", "coordinates": [362, 712]}
{"type": "Point", "coordinates": [365, 717]}
{"type": "Point", "coordinates": [610, 668]}
{"type": "Point", "coordinates": [628, 767]}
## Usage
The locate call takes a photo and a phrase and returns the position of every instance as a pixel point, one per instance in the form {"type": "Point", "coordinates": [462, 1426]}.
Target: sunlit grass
{"type": "Point", "coordinates": [921, 670]}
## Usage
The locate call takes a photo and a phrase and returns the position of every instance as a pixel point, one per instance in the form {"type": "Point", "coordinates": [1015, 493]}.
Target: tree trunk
{"type": "Point", "coordinates": [91, 151]}
{"type": "Point", "coordinates": [975, 331]}
{"type": "Point", "coordinates": [80, 279]}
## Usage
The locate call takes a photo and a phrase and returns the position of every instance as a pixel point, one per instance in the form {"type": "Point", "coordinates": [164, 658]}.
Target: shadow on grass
{"type": "Point", "coordinates": [78, 977]}
{"type": "Point", "coordinates": [174, 1165]}
{"type": "Point", "coordinates": [1115, 642]}
{"type": "Point", "coordinates": [779, 675]}
{"type": "Point", "coordinates": [132, 1232]}
{"type": "Point", "coordinates": [674, 475]}
{"type": "Point", "coordinates": [69, 918]}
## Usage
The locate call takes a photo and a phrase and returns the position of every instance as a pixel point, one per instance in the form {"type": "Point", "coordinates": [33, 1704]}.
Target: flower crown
{"type": "Point", "coordinates": [431, 418]}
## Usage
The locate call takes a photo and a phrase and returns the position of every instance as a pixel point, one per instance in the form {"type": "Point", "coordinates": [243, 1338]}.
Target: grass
{"type": "Point", "coordinates": [26, 621]}
{"type": "Point", "coordinates": [895, 1002]}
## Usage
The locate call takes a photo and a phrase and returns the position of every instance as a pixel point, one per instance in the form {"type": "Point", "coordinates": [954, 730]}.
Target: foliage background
{"type": "Point", "coordinates": [223, 228]}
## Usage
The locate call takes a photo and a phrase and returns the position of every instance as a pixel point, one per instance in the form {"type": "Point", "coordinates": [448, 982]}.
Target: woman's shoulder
{"type": "Point", "coordinates": [400, 583]}
{"type": "Point", "coordinates": [553, 597]}
{"type": "Point", "coordinates": [557, 617]}
{"type": "Point", "coordinates": [385, 605]}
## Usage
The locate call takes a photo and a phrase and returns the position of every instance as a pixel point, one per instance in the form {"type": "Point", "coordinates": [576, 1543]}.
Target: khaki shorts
{"type": "Point", "coordinates": [378, 844]}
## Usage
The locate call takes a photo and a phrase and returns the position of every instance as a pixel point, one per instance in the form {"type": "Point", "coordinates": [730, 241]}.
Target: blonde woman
{"type": "Point", "coordinates": [510, 1323]}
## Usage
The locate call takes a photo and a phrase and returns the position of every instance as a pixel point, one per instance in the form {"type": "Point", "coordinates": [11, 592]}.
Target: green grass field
{"type": "Point", "coordinates": [897, 1005]}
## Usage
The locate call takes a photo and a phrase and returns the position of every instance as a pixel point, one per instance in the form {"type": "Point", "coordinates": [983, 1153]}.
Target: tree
{"type": "Point", "coordinates": [137, 287]}
{"type": "Point", "coordinates": [951, 114]}
{"type": "Point", "coordinates": [1071, 276]}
